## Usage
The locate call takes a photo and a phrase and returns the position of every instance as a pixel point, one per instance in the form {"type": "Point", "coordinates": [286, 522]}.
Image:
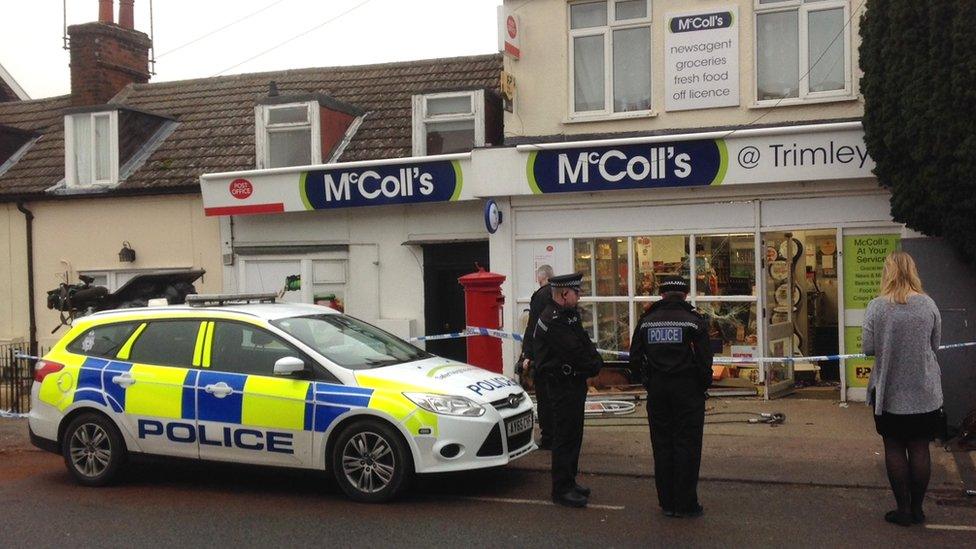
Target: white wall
{"type": "Point", "coordinates": [386, 281]}
{"type": "Point", "coordinates": [542, 77]}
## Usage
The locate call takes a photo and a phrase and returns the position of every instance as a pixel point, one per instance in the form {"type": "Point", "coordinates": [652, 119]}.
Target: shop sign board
{"type": "Point", "coordinates": [731, 160]}
{"type": "Point", "coordinates": [701, 59]}
{"type": "Point", "coordinates": [283, 190]}
{"type": "Point", "coordinates": [864, 257]}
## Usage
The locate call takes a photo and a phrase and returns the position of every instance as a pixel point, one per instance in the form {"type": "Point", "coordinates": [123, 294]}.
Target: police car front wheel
{"type": "Point", "coordinates": [371, 462]}
{"type": "Point", "coordinates": [93, 449]}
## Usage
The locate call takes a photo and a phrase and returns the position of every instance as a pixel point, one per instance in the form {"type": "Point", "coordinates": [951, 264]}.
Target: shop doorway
{"type": "Point", "coordinates": [800, 298]}
{"type": "Point", "coordinates": [444, 297]}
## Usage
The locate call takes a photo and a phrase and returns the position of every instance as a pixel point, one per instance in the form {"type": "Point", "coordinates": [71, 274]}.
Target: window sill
{"type": "Point", "coordinates": [62, 189]}
{"type": "Point", "coordinates": [582, 119]}
{"type": "Point", "coordinates": [793, 102]}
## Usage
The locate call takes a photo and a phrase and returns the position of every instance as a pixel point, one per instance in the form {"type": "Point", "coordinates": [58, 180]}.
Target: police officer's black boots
{"type": "Point", "coordinates": [572, 498]}
{"type": "Point", "coordinates": [581, 490]}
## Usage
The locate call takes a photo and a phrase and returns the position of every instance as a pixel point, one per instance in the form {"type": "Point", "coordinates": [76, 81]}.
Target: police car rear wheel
{"type": "Point", "coordinates": [371, 462]}
{"type": "Point", "coordinates": [93, 449]}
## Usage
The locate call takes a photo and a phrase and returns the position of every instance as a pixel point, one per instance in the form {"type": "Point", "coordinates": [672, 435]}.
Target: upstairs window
{"type": "Point", "coordinates": [802, 49]}
{"type": "Point", "coordinates": [91, 149]}
{"type": "Point", "coordinates": [610, 57]}
{"type": "Point", "coordinates": [450, 122]}
{"type": "Point", "coordinates": [288, 135]}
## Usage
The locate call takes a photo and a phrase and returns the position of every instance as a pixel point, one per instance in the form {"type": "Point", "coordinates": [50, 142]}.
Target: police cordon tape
{"type": "Point", "coordinates": [476, 331]}
{"type": "Point", "coordinates": [471, 331]}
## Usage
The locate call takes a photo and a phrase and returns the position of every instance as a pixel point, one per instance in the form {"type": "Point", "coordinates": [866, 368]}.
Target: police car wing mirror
{"type": "Point", "coordinates": [288, 365]}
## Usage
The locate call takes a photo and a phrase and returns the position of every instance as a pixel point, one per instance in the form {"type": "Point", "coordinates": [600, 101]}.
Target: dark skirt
{"type": "Point", "coordinates": [928, 425]}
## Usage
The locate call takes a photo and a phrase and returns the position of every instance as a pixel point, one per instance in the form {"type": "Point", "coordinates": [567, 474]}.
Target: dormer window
{"type": "Point", "coordinates": [288, 134]}
{"type": "Point", "coordinates": [448, 122]}
{"type": "Point", "coordinates": [91, 149]}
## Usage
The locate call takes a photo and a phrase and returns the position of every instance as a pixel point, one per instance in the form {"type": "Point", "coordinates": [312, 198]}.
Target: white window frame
{"type": "Point", "coordinates": [306, 270]}
{"type": "Point", "coordinates": [421, 118]}
{"type": "Point", "coordinates": [262, 127]}
{"type": "Point", "coordinates": [70, 177]}
{"type": "Point", "coordinates": [607, 32]}
{"type": "Point", "coordinates": [804, 7]}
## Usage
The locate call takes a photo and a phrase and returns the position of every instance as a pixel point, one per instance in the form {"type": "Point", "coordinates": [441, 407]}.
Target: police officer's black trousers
{"type": "Point", "coordinates": [543, 406]}
{"type": "Point", "coordinates": [676, 415]}
{"type": "Point", "coordinates": [568, 397]}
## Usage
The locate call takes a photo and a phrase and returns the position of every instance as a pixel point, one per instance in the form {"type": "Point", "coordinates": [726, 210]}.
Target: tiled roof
{"type": "Point", "coordinates": [216, 118]}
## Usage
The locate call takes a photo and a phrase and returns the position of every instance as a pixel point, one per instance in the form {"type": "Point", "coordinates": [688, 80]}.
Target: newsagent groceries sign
{"type": "Point", "coordinates": [839, 154]}
{"type": "Point", "coordinates": [701, 59]}
{"type": "Point", "coordinates": [283, 190]}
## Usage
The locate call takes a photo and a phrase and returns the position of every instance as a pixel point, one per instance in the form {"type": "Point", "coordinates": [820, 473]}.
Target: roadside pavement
{"type": "Point", "coordinates": [821, 443]}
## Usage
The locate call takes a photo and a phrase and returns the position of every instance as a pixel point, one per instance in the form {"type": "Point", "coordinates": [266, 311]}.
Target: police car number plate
{"type": "Point", "coordinates": [519, 424]}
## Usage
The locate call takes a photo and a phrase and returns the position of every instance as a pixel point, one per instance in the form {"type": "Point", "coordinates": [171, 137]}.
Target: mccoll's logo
{"type": "Point", "coordinates": [438, 181]}
{"type": "Point", "coordinates": [675, 164]}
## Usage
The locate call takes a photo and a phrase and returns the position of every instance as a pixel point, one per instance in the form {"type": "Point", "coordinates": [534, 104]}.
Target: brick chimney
{"type": "Point", "coordinates": [106, 57]}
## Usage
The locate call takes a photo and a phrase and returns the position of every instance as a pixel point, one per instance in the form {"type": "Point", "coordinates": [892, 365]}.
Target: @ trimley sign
{"type": "Point", "coordinates": [275, 191]}
{"type": "Point", "coordinates": [801, 156]}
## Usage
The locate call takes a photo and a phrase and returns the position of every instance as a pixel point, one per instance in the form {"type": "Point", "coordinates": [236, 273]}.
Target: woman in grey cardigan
{"type": "Point", "coordinates": [902, 329]}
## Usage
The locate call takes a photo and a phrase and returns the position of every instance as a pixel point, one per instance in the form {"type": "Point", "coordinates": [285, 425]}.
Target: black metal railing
{"type": "Point", "coordinates": [16, 376]}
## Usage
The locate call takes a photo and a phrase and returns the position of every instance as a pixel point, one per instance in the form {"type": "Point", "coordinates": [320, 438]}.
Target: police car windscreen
{"type": "Point", "coordinates": [350, 343]}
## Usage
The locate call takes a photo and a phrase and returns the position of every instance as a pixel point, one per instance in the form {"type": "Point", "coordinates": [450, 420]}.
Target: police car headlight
{"type": "Point", "coordinates": [446, 404]}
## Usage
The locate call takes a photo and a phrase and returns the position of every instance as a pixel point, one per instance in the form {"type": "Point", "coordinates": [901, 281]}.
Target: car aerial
{"type": "Point", "coordinates": [279, 384]}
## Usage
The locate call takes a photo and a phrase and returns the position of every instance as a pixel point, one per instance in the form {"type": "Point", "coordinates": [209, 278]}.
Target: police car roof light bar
{"type": "Point", "coordinates": [210, 300]}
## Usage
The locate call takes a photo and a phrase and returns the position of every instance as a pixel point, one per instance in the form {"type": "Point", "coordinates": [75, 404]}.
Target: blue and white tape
{"type": "Point", "coordinates": [476, 331]}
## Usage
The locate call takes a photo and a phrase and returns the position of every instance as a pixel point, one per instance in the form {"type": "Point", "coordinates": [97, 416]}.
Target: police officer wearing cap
{"type": "Point", "coordinates": [565, 357]}
{"type": "Point", "coordinates": [541, 298]}
{"type": "Point", "coordinates": [671, 349]}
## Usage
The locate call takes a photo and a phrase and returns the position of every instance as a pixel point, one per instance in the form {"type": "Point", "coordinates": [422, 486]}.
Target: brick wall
{"type": "Point", "coordinates": [104, 59]}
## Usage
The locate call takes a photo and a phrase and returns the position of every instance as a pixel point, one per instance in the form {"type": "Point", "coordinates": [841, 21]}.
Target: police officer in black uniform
{"type": "Point", "coordinates": [671, 348]}
{"type": "Point", "coordinates": [541, 298]}
{"type": "Point", "coordinates": [565, 357]}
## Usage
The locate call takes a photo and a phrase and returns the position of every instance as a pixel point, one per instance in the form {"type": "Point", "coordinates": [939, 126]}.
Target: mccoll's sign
{"type": "Point", "coordinates": [675, 164]}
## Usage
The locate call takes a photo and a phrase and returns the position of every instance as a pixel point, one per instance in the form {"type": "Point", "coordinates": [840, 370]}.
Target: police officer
{"type": "Point", "coordinates": [565, 357]}
{"type": "Point", "coordinates": [541, 298]}
{"type": "Point", "coordinates": [671, 349]}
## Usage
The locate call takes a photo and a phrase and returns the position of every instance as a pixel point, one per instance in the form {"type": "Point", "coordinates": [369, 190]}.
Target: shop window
{"type": "Point", "coordinates": [732, 327]}
{"type": "Point", "coordinates": [288, 135]}
{"type": "Point", "coordinates": [656, 257]}
{"type": "Point", "coordinates": [802, 49]}
{"type": "Point", "coordinates": [91, 149]}
{"type": "Point", "coordinates": [603, 262]}
{"type": "Point", "coordinates": [445, 123]}
{"type": "Point", "coordinates": [610, 52]}
{"type": "Point", "coordinates": [608, 324]}
{"type": "Point", "coordinates": [725, 265]}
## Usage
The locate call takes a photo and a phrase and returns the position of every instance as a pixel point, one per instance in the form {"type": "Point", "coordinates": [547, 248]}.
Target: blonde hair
{"type": "Point", "coordinates": [899, 279]}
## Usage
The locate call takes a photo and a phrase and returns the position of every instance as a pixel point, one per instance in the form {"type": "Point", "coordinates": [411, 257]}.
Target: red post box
{"type": "Point", "coordinates": [483, 301]}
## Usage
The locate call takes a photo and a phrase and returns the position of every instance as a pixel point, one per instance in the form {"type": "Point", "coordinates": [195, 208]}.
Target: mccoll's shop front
{"type": "Point", "coordinates": [781, 232]}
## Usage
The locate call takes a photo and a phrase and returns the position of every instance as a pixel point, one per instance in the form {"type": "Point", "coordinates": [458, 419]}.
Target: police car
{"type": "Point", "coordinates": [288, 385]}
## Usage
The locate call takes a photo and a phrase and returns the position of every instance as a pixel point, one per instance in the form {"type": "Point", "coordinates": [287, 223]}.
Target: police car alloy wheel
{"type": "Point", "coordinates": [93, 449]}
{"type": "Point", "coordinates": [370, 462]}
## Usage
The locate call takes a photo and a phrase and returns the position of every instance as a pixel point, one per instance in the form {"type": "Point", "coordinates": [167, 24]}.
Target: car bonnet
{"type": "Point", "coordinates": [443, 376]}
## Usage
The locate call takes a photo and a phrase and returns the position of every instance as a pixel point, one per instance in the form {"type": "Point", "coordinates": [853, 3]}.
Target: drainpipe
{"type": "Point", "coordinates": [29, 216]}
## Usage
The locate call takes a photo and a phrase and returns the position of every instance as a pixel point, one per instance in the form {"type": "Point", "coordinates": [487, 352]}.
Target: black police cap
{"type": "Point", "coordinates": [673, 284]}
{"type": "Point", "coordinates": [574, 280]}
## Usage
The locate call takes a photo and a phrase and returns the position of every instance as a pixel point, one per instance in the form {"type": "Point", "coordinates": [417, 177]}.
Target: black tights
{"type": "Point", "coordinates": [909, 466]}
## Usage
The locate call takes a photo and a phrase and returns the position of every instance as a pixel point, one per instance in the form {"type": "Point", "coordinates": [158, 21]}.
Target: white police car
{"type": "Point", "coordinates": [272, 384]}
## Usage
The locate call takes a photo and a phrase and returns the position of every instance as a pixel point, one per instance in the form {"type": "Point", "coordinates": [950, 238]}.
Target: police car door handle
{"type": "Point", "coordinates": [124, 380]}
{"type": "Point", "coordinates": [219, 390]}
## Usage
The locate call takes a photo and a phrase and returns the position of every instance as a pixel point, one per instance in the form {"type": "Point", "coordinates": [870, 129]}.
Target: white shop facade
{"type": "Point", "coordinates": [780, 232]}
